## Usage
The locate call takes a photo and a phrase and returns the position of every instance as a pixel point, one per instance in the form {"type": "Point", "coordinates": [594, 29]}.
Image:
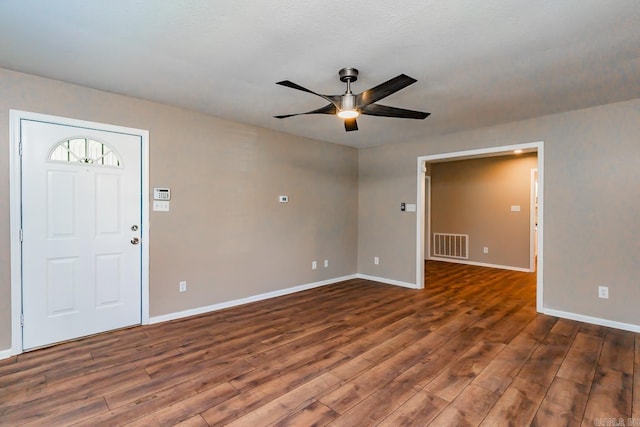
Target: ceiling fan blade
{"type": "Point", "coordinates": [327, 109]}
{"type": "Point", "coordinates": [386, 111]}
{"type": "Point", "coordinates": [334, 99]}
{"type": "Point", "coordinates": [350, 125]}
{"type": "Point", "coordinates": [383, 90]}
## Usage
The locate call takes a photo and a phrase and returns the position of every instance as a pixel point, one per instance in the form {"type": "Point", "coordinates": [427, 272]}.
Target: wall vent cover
{"type": "Point", "coordinates": [449, 245]}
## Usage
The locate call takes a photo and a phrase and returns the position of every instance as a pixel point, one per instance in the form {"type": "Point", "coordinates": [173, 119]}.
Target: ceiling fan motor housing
{"type": "Point", "coordinates": [348, 102]}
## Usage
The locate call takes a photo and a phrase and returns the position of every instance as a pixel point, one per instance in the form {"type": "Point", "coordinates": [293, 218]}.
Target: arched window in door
{"type": "Point", "coordinates": [86, 151]}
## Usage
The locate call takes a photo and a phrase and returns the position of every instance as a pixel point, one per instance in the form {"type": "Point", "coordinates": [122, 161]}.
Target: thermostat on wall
{"type": "Point", "coordinates": [161, 194]}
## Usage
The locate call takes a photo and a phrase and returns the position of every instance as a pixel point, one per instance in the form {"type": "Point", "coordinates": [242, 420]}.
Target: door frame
{"type": "Point", "coordinates": [15, 211]}
{"type": "Point", "coordinates": [533, 217]}
{"type": "Point", "coordinates": [482, 152]}
{"type": "Point", "coordinates": [427, 219]}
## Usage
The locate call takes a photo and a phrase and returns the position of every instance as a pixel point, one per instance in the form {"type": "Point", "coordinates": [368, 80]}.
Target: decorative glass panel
{"type": "Point", "coordinates": [86, 151]}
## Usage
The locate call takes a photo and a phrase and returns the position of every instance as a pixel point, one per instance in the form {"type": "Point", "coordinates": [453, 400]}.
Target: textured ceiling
{"type": "Point", "coordinates": [477, 63]}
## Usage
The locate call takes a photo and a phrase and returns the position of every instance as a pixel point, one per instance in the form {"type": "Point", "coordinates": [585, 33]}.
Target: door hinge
{"type": "Point", "coordinates": [22, 320]}
{"type": "Point", "coordinates": [21, 235]}
{"type": "Point", "coordinates": [20, 148]}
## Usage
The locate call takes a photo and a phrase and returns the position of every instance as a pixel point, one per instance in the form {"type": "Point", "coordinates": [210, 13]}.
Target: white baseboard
{"type": "Point", "coordinates": [481, 264]}
{"type": "Point", "coordinates": [593, 320]}
{"type": "Point", "coordinates": [241, 301]}
{"type": "Point", "coordinates": [387, 281]}
{"type": "Point", "coordinates": [5, 354]}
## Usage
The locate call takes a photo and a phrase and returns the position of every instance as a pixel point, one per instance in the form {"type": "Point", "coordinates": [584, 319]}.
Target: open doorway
{"type": "Point", "coordinates": [536, 222]}
{"type": "Point", "coordinates": [480, 211]}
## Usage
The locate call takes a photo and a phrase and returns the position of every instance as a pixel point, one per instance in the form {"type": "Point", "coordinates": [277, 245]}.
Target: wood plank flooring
{"type": "Point", "coordinates": [469, 349]}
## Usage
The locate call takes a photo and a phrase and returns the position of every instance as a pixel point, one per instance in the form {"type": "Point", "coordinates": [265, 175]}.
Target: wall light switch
{"type": "Point", "coordinates": [411, 207]}
{"type": "Point", "coordinates": [283, 199]}
{"type": "Point", "coordinates": [161, 205]}
{"type": "Point", "coordinates": [515, 208]}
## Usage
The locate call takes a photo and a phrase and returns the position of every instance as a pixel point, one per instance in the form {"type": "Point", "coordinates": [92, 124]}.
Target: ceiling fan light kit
{"type": "Point", "coordinates": [349, 106]}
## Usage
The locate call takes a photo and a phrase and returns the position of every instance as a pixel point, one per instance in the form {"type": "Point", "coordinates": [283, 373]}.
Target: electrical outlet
{"type": "Point", "coordinates": [603, 292]}
{"type": "Point", "coordinates": [485, 250]}
{"type": "Point", "coordinates": [376, 260]}
{"type": "Point", "coordinates": [326, 263]}
{"type": "Point", "coordinates": [182, 287]}
{"type": "Point", "coordinates": [314, 265]}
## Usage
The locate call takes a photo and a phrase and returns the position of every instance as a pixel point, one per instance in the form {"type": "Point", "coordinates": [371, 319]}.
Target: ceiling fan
{"type": "Point", "coordinates": [349, 106]}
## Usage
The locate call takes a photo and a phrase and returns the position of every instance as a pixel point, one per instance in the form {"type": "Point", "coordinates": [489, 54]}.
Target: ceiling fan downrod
{"type": "Point", "coordinates": [348, 100]}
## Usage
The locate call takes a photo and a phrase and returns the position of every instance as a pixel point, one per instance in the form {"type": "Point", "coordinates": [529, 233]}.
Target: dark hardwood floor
{"type": "Point", "coordinates": [469, 349]}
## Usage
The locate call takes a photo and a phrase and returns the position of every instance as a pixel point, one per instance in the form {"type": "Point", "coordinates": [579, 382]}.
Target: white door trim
{"type": "Point", "coordinates": [427, 220]}
{"type": "Point", "coordinates": [15, 215]}
{"type": "Point", "coordinates": [532, 221]}
{"type": "Point", "coordinates": [483, 152]}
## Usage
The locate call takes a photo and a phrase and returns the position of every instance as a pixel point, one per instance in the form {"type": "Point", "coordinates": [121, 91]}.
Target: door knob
{"type": "Point", "coordinates": [135, 241]}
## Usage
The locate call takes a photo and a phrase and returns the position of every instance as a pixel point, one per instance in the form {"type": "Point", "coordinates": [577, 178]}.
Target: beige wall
{"type": "Point", "coordinates": [226, 233]}
{"type": "Point", "coordinates": [591, 205]}
{"type": "Point", "coordinates": [475, 196]}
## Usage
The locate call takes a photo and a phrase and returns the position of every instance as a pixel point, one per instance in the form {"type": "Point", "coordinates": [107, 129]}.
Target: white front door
{"type": "Point", "coordinates": [81, 222]}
